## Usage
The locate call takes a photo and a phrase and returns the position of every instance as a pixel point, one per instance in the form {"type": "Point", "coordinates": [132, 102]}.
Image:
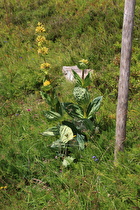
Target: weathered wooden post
{"type": "Point", "coordinates": [123, 88]}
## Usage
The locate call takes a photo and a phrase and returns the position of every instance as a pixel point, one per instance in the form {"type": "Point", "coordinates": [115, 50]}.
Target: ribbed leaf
{"type": "Point", "coordinates": [87, 81]}
{"type": "Point", "coordinates": [59, 108]}
{"type": "Point", "coordinates": [71, 125]}
{"type": "Point", "coordinates": [77, 79]}
{"type": "Point", "coordinates": [94, 106]}
{"type": "Point", "coordinates": [88, 124]}
{"type": "Point", "coordinates": [84, 124]}
{"type": "Point", "coordinates": [66, 133]}
{"type": "Point", "coordinates": [50, 115]}
{"type": "Point", "coordinates": [80, 140]}
{"type": "Point", "coordinates": [51, 131]}
{"type": "Point", "coordinates": [73, 110]}
{"type": "Point", "coordinates": [58, 143]}
{"type": "Point", "coordinates": [46, 97]}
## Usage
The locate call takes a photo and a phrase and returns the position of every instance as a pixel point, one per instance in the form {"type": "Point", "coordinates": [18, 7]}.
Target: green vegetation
{"type": "Point", "coordinates": [78, 174]}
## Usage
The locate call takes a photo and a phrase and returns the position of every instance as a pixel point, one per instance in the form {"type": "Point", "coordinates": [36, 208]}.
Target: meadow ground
{"type": "Point", "coordinates": [32, 174]}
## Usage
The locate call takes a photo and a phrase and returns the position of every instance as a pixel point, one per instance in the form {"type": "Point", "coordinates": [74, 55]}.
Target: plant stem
{"type": "Point", "coordinates": [83, 72]}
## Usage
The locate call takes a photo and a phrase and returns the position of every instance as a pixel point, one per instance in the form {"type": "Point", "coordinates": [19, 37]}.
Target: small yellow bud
{"type": "Point", "coordinates": [84, 61]}
{"type": "Point", "coordinates": [46, 83]}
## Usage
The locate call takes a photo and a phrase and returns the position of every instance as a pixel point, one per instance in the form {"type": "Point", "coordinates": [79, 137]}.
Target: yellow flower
{"type": "Point", "coordinates": [46, 83]}
{"type": "Point", "coordinates": [40, 28]}
{"type": "Point", "coordinates": [43, 50]}
{"type": "Point", "coordinates": [5, 187]}
{"type": "Point", "coordinates": [45, 66]}
{"type": "Point", "coordinates": [84, 61]}
{"type": "Point", "coordinates": [41, 39]}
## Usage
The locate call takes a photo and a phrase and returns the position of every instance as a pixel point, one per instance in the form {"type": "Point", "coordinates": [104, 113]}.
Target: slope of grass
{"type": "Point", "coordinates": [32, 175]}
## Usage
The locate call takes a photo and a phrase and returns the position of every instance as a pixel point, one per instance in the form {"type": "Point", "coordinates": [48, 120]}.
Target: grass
{"type": "Point", "coordinates": [32, 175]}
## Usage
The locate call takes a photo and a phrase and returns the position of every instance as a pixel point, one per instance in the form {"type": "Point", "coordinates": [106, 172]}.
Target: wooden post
{"type": "Point", "coordinates": [123, 88]}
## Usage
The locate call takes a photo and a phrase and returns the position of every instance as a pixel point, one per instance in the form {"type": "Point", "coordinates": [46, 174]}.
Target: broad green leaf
{"type": "Point", "coordinates": [73, 110]}
{"type": "Point", "coordinates": [81, 95]}
{"type": "Point", "coordinates": [66, 133]}
{"type": "Point", "coordinates": [50, 115]}
{"type": "Point", "coordinates": [71, 125]}
{"type": "Point", "coordinates": [87, 81]}
{"type": "Point", "coordinates": [77, 79]}
{"type": "Point", "coordinates": [80, 140]}
{"type": "Point", "coordinates": [89, 125]}
{"type": "Point", "coordinates": [54, 101]}
{"type": "Point", "coordinates": [94, 106]}
{"type": "Point", "coordinates": [51, 131]}
{"type": "Point", "coordinates": [67, 161]}
{"type": "Point", "coordinates": [46, 97]}
{"type": "Point", "coordinates": [84, 124]}
{"type": "Point", "coordinates": [59, 108]}
{"type": "Point", "coordinates": [58, 144]}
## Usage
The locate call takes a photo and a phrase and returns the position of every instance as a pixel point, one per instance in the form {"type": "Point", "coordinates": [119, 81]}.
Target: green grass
{"type": "Point", "coordinates": [31, 174]}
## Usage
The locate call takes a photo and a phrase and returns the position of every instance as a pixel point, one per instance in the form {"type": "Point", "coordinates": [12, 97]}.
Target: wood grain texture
{"type": "Point", "coordinates": [123, 88]}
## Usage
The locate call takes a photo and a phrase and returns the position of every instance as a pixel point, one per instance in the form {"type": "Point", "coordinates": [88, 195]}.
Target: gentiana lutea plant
{"type": "Point", "coordinates": [77, 130]}
{"type": "Point", "coordinates": [48, 90]}
{"type": "Point", "coordinates": [82, 125]}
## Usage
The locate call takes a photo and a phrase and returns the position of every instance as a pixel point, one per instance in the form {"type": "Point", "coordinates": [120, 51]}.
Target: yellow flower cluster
{"type": "Point", "coordinates": [45, 66]}
{"type": "Point", "coordinates": [40, 28]}
{"type": "Point", "coordinates": [46, 83]}
{"type": "Point", "coordinates": [41, 39]}
{"type": "Point", "coordinates": [84, 61]}
{"type": "Point", "coordinates": [43, 50]}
